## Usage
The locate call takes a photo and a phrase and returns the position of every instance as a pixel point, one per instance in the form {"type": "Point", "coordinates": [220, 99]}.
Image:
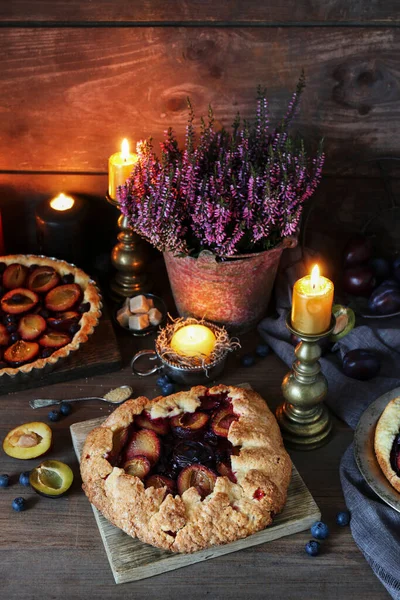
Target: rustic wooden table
{"type": "Point", "coordinates": [54, 550]}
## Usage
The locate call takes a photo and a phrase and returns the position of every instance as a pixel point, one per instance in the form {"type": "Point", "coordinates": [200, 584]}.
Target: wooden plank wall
{"type": "Point", "coordinates": [78, 76]}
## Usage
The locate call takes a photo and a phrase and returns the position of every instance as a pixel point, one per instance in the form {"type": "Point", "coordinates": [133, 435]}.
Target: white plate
{"type": "Point", "coordinates": [364, 450]}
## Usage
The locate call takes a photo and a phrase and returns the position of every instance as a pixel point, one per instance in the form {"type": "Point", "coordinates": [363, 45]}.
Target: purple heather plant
{"type": "Point", "coordinates": [227, 192]}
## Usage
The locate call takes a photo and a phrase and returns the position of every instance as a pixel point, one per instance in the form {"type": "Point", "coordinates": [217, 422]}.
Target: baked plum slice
{"type": "Point", "coordinates": [160, 481]}
{"type": "Point", "coordinates": [120, 437]}
{"type": "Point", "coordinates": [4, 335]}
{"type": "Point", "coordinates": [138, 467]}
{"type": "Point", "coordinates": [21, 352]}
{"type": "Point", "coordinates": [54, 340]}
{"type": "Point", "coordinates": [395, 455]}
{"type": "Point", "coordinates": [43, 279]}
{"type": "Point", "coordinates": [197, 476]}
{"type": "Point", "coordinates": [28, 440]}
{"type": "Point", "coordinates": [52, 478]}
{"type": "Point", "coordinates": [64, 320]}
{"type": "Point", "coordinates": [63, 297]}
{"type": "Point", "coordinates": [143, 443]}
{"type": "Point", "coordinates": [14, 276]}
{"type": "Point", "coordinates": [222, 420]}
{"type": "Point", "coordinates": [187, 424]}
{"type": "Point", "coordinates": [18, 301]}
{"type": "Point", "coordinates": [31, 327]}
{"type": "Point", "coordinates": [160, 426]}
{"type": "Point", "coordinates": [188, 452]}
{"type": "Point", "coordinates": [213, 401]}
{"type": "Point", "coordinates": [225, 471]}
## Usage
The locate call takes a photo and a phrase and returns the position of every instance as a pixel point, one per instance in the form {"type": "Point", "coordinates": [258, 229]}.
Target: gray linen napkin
{"type": "Point", "coordinates": [374, 525]}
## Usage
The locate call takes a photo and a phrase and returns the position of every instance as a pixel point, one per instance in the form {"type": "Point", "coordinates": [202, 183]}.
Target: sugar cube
{"type": "Point", "coordinates": [138, 322]}
{"type": "Point", "coordinates": [155, 316]}
{"type": "Point", "coordinates": [139, 304]}
{"type": "Point", "coordinates": [123, 316]}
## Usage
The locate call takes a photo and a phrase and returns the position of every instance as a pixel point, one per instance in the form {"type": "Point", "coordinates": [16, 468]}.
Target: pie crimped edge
{"type": "Point", "coordinates": [186, 523]}
{"type": "Point", "coordinates": [88, 321]}
{"type": "Point", "coordinates": [386, 430]}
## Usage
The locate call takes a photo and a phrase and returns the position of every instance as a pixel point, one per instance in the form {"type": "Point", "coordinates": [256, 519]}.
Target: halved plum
{"type": "Point", "coordinates": [63, 297]}
{"type": "Point", "coordinates": [222, 421]}
{"type": "Point", "coordinates": [143, 443]}
{"type": "Point", "coordinates": [197, 476]}
{"type": "Point", "coordinates": [64, 320]}
{"type": "Point", "coordinates": [138, 467]}
{"type": "Point", "coordinates": [52, 478]}
{"type": "Point", "coordinates": [54, 339]}
{"type": "Point", "coordinates": [160, 481]}
{"type": "Point", "coordinates": [14, 276]}
{"type": "Point", "coordinates": [31, 326]}
{"type": "Point", "coordinates": [189, 423]}
{"type": "Point", "coordinates": [18, 301]}
{"type": "Point", "coordinates": [43, 279]}
{"type": "Point", "coordinates": [20, 353]}
{"type": "Point", "coordinates": [4, 335]}
{"type": "Point", "coordinates": [160, 426]}
{"type": "Point", "coordinates": [28, 440]}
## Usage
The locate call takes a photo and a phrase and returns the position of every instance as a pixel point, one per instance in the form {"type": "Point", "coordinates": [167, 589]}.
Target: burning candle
{"type": "Point", "coordinates": [312, 303]}
{"type": "Point", "coordinates": [60, 227]}
{"type": "Point", "coordinates": [193, 340]}
{"type": "Point", "coordinates": [120, 166]}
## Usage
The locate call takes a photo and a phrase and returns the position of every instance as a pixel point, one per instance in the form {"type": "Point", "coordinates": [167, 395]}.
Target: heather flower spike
{"type": "Point", "coordinates": [227, 192]}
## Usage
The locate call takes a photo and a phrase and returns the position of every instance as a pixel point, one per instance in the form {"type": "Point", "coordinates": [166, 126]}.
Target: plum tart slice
{"type": "Point", "coordinates": [190, 470]}
{"type": "Point", "coordinates": [48, 309]}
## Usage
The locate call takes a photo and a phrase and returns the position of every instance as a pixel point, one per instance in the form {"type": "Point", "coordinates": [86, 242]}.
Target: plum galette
{"type": "Point", "coordinates": [387, 442]}
{"type": "Point", "coordinates": [190, 470]}
{"type": "Point", "coordinates": [48, 308]}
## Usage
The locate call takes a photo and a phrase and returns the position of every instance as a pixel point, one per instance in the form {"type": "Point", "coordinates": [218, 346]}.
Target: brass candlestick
{"type": "Point", "coordinates": [129, 259]}
{"type": "Point", "coordinates": [303, 418]}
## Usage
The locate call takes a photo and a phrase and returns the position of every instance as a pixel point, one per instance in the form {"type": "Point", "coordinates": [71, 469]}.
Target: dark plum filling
{"type": "Point", "coordinates": [186, 444]}
{"type": "Point", "coordinates": [395, 455]}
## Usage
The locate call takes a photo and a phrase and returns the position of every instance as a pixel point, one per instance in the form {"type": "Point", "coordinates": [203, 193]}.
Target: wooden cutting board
{"type": "Point", "coordinates": [131, 560]}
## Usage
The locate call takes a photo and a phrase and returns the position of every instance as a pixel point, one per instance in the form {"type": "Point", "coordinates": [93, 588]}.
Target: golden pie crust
{"type": "Point", "coordinates": [187, 523]}
{"type": "Point", "coordinates": [386, 430]}
{"type": "Point", "coordinates": [88, 321]}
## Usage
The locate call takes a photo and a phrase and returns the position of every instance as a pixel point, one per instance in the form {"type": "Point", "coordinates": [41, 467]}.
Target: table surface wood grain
{"type": "Point", "coordinates": [53, 550]}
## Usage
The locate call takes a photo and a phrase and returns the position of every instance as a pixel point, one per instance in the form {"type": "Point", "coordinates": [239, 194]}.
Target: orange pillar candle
{"type": "Point", "coordinates": [312, 303]}
{"type": "Point", "coordinates": [120, 167]}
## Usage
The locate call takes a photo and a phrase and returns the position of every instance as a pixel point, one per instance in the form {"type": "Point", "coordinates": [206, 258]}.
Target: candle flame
{"type": "Point", "coordinates": [62, 202]}
{"type": "Point", "coordinates": [125, 149]}
{"type": "Point", "coordinates": [315, 277]}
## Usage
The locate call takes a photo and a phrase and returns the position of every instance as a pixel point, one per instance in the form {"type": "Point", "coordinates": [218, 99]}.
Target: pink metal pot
{"type": "Point", "coordinates": [234, 293]}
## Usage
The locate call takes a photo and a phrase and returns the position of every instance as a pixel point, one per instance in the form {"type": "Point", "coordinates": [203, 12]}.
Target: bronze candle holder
{"type": "Point", "coordinates": [303, 418]}
{"type": "Point", "coordinates": [129, 258]}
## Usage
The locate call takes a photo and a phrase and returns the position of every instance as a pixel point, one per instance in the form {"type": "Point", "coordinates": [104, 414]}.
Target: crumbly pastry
{"type": "Point", "coordinates": [230, 492]}
{"type": "Point", "coordinates": [387, 442]}
{"type": "Point", "coordinates": [88, 320]}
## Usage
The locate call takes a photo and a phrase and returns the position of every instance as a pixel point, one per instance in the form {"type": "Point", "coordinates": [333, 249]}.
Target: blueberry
{"type": "Point", "coordinates": [247, 360]}
{"type": "Point", "coordinates": [11, 327]}
{"type": "Point", "coordinates": [18, 504]}
{"type": "Point", "coordinates": [312, 548]}
{"type": "Point", "coordinates": [44, 313]}
{"type": "Point", "coordinates": [69, 278]}
{"type": "Point", "coordinates": [263, 350]}
{"type": "Point", "coordinates": [10, 319]}
{"type": "Point", "coordinates": [320, 530]}
{"type": "Point", "coordinates": [65, 408]}
{"type": "Point", "coordinates": [4, 480]}
{"type": "Point", "coordinates": [163, 380]}
{"type": "Point", "coordinates": [53, 415]}
{"type": "Point", "coordinates": [24, 478]}
{"type": "Point", "coordinates": [74, 328]}
{"type": "Point", "coordinates": [14, 337]}
{"type": "Point", "coordinates": [343, 518]}
{"type": "Point", "coordinates": [84, 307]}
{"type": "Point", "coordinates": [167, 389]}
